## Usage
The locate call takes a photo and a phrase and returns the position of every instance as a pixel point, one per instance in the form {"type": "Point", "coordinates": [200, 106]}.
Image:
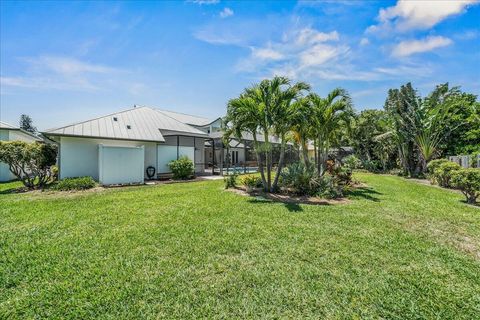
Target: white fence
{"type": "Point", "coordinates": [466, 161]}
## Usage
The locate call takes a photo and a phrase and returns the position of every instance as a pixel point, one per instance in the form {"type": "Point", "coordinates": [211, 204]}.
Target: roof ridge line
{"type": "Point", "coordinates": [80, 122]}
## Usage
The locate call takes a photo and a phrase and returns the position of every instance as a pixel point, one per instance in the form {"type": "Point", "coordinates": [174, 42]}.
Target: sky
{"type": "Point", "coordinates": [63, 62]}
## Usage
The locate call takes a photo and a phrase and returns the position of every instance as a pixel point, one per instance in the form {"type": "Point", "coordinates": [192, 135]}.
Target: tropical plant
{"type": "Point", "coordinates": [262, 110]}
{"type": "Point", "coordinates": [251, 182]}
{"type": "Point", "coordinates": [231, 180]}
{"type": "Point", "coordinates": [352, 162]}
{"type": "Point", "coordinates": [467, 181]}
{"type": "Point", "coordinates": [31, 163]}
{"type": "Point", "coordinates": [330, 115]}
{"type": "Point", "coordinates": [182, 168]}
{"type": "Point", "coordinates": [300, 179]}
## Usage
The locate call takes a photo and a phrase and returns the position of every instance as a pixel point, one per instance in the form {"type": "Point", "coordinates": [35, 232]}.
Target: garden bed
{"type": "Point", "coordinates": [288, 198]}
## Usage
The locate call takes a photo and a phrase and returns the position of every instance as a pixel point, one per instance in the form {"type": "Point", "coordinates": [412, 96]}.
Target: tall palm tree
{"type": "Point", "coordinates": [265, 108]}
{"type": "Point", "coordinates": [329, 115]}
{"type": "Point", "coordinates": [242, 116]}
{"type": "Point", "coordinates": [302, 126]}
{"type": "Point", "coordinates": [282, 118]}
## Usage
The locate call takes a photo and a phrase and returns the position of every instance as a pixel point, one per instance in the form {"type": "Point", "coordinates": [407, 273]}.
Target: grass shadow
{"type": "Point", "coordinates": [364, 193]}
{"type": "Point", "coordinates": [290, 206]}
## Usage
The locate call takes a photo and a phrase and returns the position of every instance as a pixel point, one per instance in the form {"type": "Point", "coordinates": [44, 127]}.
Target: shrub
{"type": "Point", "coordinates": [251, 181]}
{"type": "Point", "coordinates": [330, 187]}
{"type": "Point", "coordinates": [467, 181]}
{"type": "Point", "coordinates": [434, 164]}
{"type": "Point", "coordinates": [231, 180]}
{"type": "Point", "coordinates": [443, 173]}
{"type": "Point", "coordinates": [81, 183]}
{"type": "Point", "coordinates": [343, 176]}
{"type": "Point", "coordinates": [372, 165]}
{"type": "Point", "coordinates": [352, 162]}
{"type": "Point", "coordinates": [182, 168]}
{"type": "Point", "coordinates": [300, 179]}
{"type": "Point", "coordinates": [31, 163]}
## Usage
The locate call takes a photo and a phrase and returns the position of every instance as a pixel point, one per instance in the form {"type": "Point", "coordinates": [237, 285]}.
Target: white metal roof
{"type": "Point", "coordinates": [140, 123]}
{"type": "Point", "coordinates": [187, 118]}
{"type": "Point", "coordinates": [4, 125]}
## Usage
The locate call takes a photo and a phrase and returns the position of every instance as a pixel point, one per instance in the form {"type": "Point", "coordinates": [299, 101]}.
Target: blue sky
{"type": "Point", "coordinates": [63, 62]}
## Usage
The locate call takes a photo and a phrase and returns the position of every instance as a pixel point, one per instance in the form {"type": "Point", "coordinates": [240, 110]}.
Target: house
{"type": "Point", "coordinates": [9, 132]}
{"type": "Point", "coordinates": [118, 148]}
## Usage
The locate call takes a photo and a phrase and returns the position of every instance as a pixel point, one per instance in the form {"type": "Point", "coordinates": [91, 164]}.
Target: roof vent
{"type": "Point", "coordinates": [129, 127]}
{"type": "Point", "coordinates": [115, 119]}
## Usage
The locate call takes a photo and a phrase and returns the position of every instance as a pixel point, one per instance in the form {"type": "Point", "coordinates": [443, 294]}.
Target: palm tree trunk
{"type": "Point", "coordinates": [280, 163]}
{"type": "Point", "coordinates": [268, 158]}
{"type": "Point", "coordinates": [259, 161]}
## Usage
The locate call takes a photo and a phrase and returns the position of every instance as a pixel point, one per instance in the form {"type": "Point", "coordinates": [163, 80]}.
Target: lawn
{"type": "Point", "coordinates": [399, 249]}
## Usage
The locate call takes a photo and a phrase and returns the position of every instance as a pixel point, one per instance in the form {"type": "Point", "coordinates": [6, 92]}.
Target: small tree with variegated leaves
{"type": "Point", "coordinates": [31, 163]}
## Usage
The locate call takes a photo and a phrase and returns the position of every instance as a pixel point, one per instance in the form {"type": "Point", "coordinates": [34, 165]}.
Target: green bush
{"type": "Point", "coordinates": [81, 183]}
{"type": "Point", "coordinates": [443, 173]}
{"type": "Point", "coordinates": [31, 163]}
{"type": "Point", "coordinates": [352, 162]}
{"type": "Point", "coordinates": [251, 181]}
{"type": "Point", "coordinates": [182, 168]}
{"type": "Point", "coordinates": [467, 181]}
{"type": "Point", "coordinates": [300, 179]}
{"type": "Point", "coordinates": [372, 166]}
{"type": "Point", "coordinates": [343, 176]}
{"type": "Point", "coordinates": [434, 164]}
{"type": "Point", "coordinates": [330, 187]}
{"type": "Point", "coordinates": [231, 180]}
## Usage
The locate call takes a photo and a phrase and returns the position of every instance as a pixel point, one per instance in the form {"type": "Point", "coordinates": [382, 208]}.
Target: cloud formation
{"type": "Point", "coordinates": [408, 15]}
{"type": "Point", "coordinates": [409, 47]}
{"type": "Point", "coordinates": [226, 12]}
{"type": "Point", "coordinates": [61, 73]}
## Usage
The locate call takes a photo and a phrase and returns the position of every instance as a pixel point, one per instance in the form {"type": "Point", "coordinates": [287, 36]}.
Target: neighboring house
{"type": "Point", "coordinates": [118, 148]}
{"type": "Point", "coordinates": [12, 133]}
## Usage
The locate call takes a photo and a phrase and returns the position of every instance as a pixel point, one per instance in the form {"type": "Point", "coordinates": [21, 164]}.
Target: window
{"type": "Point", "coordinates": [115, 119]}
{"type": "Point", "coordinates": [128, 126]}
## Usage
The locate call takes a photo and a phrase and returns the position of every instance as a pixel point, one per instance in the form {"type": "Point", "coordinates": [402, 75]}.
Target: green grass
{"type": "Point", "coordinates": [192, 250]}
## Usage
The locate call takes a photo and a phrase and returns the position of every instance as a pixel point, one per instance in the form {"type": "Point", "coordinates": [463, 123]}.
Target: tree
{"type": "Point", "coordinates": [403, 107]}
{"type": "Point", "coordinates": [262, 110]}
{"type": "Point", "coordinates": [330, 115]}
{"type": "Point", "coordinates": [461, 122]}
{"type": "Point", "coordinates": [26, 123]}
{"type": "Point", "coordinates": [31, 163]}
{"type": "Point", "coordinates": [368, 125]}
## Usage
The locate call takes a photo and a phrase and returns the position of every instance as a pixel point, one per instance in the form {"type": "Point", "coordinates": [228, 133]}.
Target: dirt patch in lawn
{"type": "Point", "coordinates": [288, 198]}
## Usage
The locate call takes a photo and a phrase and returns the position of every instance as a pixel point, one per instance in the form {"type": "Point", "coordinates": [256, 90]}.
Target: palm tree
{"type": "Point", "coordinates": [282, 118]}
{"type": "Point", "coordinates": [265, 108]}
{"type": "Point", "coordinates": [330, 114]}
{"type": "Point", "coordinates": [242, 116]}
{"type": "Point", "coordinates": [302, 126]}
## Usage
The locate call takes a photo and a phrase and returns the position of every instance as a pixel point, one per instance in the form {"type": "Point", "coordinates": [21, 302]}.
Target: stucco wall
{"type": "Point", "coordinates": [79, 156]}
{"type": "Point", "coordinates": [5, 174]}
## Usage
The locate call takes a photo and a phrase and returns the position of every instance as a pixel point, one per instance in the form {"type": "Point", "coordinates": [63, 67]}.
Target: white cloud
{"type": "Point", "coordinates": [320, 53]}
{"type": "Point", "coordinates": [407, 48]}
{"type": "Point", "coordinates": [61, 73]}
{"type": "Point", "coordinates": [266, 54]}
{"type": "Point", "coordinates": [406, 15]}
{"type": "Point", "coordinates": [312, 36]}
{"type": "Point", "coordinates": [226, 12]}
{"type": "Point", "coordinates": [364, 41]}
{"type": "Point", "coordinates": [206, 2]}
{"type": "Point", "coordinates": [298, 49]}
